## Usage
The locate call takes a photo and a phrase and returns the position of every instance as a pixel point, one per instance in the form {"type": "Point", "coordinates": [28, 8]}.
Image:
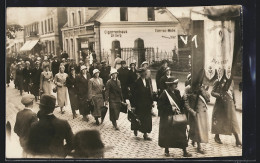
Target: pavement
{"type": "Point", "coordinates": [123, 142]}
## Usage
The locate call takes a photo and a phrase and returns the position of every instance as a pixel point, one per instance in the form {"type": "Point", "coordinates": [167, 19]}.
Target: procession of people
{"type": "Point", "coordinates": [93, 89]}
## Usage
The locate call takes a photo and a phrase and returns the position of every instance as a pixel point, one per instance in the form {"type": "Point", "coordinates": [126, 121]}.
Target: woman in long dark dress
{"type": "Point", "coordinates": [114, 96]}
{"type": "Point", "coordinates": [224, 120]}
{"type": "Point", "coordinates": [19, 78]}
{"type": "Point", "coordinates": [72, 89]}
{"type": "Point", "coordinates": [171, 136]}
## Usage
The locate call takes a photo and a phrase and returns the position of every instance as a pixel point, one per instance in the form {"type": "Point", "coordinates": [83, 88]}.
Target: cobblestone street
{"type": "Point", "coordinates": [123, 142]}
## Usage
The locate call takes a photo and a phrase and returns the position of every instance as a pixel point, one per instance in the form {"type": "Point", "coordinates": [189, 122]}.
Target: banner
{"type": "Point", "coordinates": [219, 47]}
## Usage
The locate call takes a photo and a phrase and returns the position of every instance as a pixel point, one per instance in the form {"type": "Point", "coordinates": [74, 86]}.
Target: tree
{"type": "Point", "coordinates": [12, 29]}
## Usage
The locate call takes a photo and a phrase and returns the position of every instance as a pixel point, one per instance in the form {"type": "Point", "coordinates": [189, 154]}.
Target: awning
{"type": "Point", "coordinates": [29, 45]}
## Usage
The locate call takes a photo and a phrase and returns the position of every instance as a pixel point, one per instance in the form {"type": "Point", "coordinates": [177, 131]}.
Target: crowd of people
{"type": "Point", "coordinates": [91, 90]}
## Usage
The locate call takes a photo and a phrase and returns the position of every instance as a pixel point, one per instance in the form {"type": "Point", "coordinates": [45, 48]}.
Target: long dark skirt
{"type": "Point", "coordinates": [224, 120]}
{"type": "Point", "coordinates": [114, 110]}
{"type": "Point", "coordinates": [73, 100]}
{"type": "Point", "coordinates": [83, 106]}
{"type": "Point", "coordinates": [35, 89]}
{"type": "Point", "coordinates": [26, 86]}
{"type": "Point", "coordinates": [172, 136]}
{"type": "Point", "coordinates": [146, 123]}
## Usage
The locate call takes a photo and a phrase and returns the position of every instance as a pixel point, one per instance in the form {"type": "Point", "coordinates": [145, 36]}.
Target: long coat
{"type": "Point", "coordinates": [123, 77]}
{"type": "Point", "coordinates": [60, 81]}
{"type": "Point", "coordinates": [48, 135]}
{"type": "Point", "coordinates": [224, 120]}
{"type": "Point", "coordinates": [114, 95]}
{"type": "Point", "coordinates": [19, 78]}
{"type": "Point", "coordinates": [24, 119]}
{"type": "Point", "coordinates": [171, 136]}
{"type": "Point", "coordinates": [199, 127]}
{"type": "Point", "coordinates": [35, 79]}
{"type": "Point", "coordinates": [142, 101]}
{"type": "Point", "coordinates": [72, 89]}
{"type": "Point", "coordinates": [46, 82]}
{"type": "Point", "coordinates": [27, 72]}
{"type": "Point", "coordinates": [96, 95]}
{"type": "Point", "coordinates": [158, 77]}
{"type": "Point", "coordinates": [83, 95]}
{"type": "Point", "coordinates": [55, 65]}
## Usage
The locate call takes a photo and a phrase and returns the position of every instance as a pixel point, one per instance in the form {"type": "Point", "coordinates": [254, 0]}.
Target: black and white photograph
{"type": "Point", "coordinates": [124, 82]}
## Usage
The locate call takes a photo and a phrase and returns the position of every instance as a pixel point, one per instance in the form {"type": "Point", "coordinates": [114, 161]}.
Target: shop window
{"type": "Point", "coordinates": [79, 13]}
{"type": "Point", "coordinates": [123, 14]}
{"type": "Point", "coordinates": [151, 14]}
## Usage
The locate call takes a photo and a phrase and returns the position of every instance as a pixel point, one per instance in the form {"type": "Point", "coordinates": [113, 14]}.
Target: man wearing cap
{"type": "Point", "coordinates": [35, 79]}
{"type": "Point", "coordinates": [105, 71]}
{"type": "Point", "coordinates": [117, 62]}
{"type": "Point", "coordinates": [171, 103]}
{"type": "Point", "coordinates": [24, 120]}
{"type": "Point", "coordinates": [27, 72]}
{"type": "Point", "coordinates": [82, 81]}
{"type": "Point", "coordinates": [47, 136]}
{"type": "Point", "coordinates": [162, 85]}
{"type": "Point", "coordinates": [55, 65]}
{"type": "Point", "coordinates": [142, 103]}
{"type": "Point", "coordinates": [123, 73]}
{"type": "Point", "coordinates": [160, 74]}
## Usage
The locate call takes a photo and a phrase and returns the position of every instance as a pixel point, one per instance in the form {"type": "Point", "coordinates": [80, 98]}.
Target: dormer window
{"type": "Point", "coordinates": [123, 14]}
{"type": "Point", "coordinates": [150, 12]}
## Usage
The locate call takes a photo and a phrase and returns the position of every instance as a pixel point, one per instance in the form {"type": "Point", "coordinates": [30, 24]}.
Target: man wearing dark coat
{"type": "Point", "coordinates": [24, 120]}
{"type": "Point", "coordinates": [35, 79]}
{"type": "Point", "coordinates": [64, 55]}
{"type": "Point", "coordinates": [104, 72]}
{"type": "Point", "coordinates": [142, 103]}
{"type": "Point", "coordinates": [47, 136]}
{"type": "Point", "coordinates": [170, 103]}
{"type": "Point", "coordinates": [123, 77]}
{"type": "Point", "coordinates": [19, 78]}
{"type": "Point", "coordinates": [160, 73]}
{"type": "Point", "coordinates": [27, 72]}
{"type": "Point", "coordinates": [55, 65]}
{"type": "Point", "coordinates": [82, 81]}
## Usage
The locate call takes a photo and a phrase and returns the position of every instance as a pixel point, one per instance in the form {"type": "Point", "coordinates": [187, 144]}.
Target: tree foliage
{"type": "Point", "coordinates": [12, 29]}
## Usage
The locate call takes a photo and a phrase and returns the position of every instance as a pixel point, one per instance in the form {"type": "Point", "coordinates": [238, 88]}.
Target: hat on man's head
{"type": "Point", "coordinates": [112, 71]}
{"type": "Point", "coordinates": [83, 67]}
{"type": "Point", "coordinates": [37, 62]}
{"type": "Point", "coordinates": [27, 62]}
{"type": "Point", "coordinates": [103, 61]}
{"type": "Point", "coordinates": [48, 101]}
{"type": "Point", "coordinates": [123, 62]}
{"type": "Point", "coordinates": [164, 61]}
{"type": "Point", "coordinates": [172, 80]}
{"type": "Point", "coordinates": [55, 56]}
{"type": "Point", "coordinates": [95, 71]}
{"type": "Point", "coordinates": [27, 99]}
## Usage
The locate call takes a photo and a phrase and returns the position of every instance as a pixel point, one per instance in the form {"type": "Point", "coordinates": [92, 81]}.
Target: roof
{"type": "Point", "coordinates": [97, 14]}
{"type": "Point", "coordinates": [185, 24]}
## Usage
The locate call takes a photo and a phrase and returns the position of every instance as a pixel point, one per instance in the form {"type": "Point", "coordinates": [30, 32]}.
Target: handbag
{"type": "Point", "coordinates": [178, 118]}
{"type": "Point", "coordinates": [54, 89]}
{"type": "Point", "coordinates": [123, 108]}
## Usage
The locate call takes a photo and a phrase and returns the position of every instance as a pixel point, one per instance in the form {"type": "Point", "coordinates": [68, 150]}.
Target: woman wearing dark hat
{"type": "Point", "coordinates": [60, 82]}
{"type": "Point", "coordinates": [162, 85]}
{"type": "Point", "coordinates": [224, 120]}
{"type": "Point", "coordinates": [96, 88]}
{"type": "Point", "coordinates": [169, 103]}
{"type": "Point", "coordinates": [142, 103]}
{"type": "Point", "coordinates": [114, 96]}
{"type": "Point", "coordinates": [82, 81]}
{"type": "Point", "coordinates": [72, 89]}
{"type": "Point", "coordinates": [46, 80]}
{"type": "Point", "coordinates": [132, 74]}
{"type": "Point", "coordinates": [123, 73]}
